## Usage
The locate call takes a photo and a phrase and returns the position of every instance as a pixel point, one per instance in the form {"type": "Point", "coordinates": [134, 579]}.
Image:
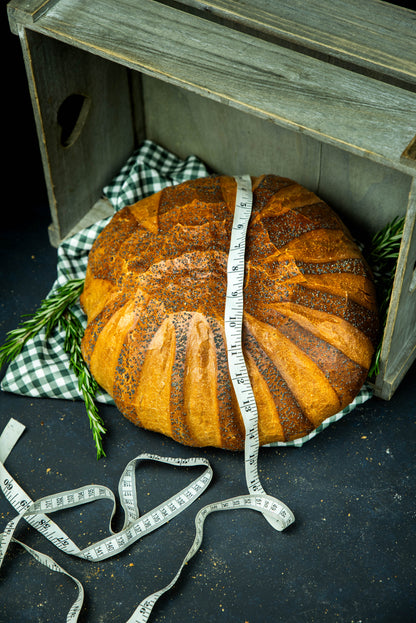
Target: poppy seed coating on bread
{"type": "Point", "coordinates": [155, 296]}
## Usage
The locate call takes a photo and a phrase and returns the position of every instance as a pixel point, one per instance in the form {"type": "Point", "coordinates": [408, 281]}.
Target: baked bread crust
{"type": "Point", "coordinates": [155, 294]}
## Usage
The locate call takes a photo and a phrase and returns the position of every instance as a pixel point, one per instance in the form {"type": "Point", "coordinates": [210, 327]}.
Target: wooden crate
{"type": "Point", "coordinates": [321, 92]}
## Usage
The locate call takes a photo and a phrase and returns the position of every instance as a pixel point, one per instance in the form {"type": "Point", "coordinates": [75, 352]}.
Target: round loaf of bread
{"type": "Point", "coordinates": [155, 296]}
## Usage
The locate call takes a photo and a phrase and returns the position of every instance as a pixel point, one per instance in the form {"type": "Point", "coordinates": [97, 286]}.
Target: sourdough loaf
{"type": "Point", "coordinates": [155, 293]}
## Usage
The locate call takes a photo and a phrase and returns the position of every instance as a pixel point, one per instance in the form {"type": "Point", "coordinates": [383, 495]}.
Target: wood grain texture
{"type": "Point", "coordinates": [27, 11]}
{"type": "Point", "coordinates": [337, 106]}
{"type": "Point", "coordinates": [370, 36]}
{"type": "Point", "coordinates": [366, 195]}
{"type": "Point", "coordinates": [228, 141]}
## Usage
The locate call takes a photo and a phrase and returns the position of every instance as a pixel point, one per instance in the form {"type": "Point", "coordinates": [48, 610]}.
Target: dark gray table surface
{"type": "Point", "coordinates": [350, 556]}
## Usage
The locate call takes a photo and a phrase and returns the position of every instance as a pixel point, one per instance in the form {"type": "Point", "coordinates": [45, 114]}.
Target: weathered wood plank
{"type": "Point", "coordinates": [399, 342]}
{"type": "Point", "coordinates": [100, 210]}
{"type": "Point", "coordinates": [337, 106]}
{"type": "Point", "coordinates": [370, 36]}
{"type": "Point", "coordinates": [365, 194]}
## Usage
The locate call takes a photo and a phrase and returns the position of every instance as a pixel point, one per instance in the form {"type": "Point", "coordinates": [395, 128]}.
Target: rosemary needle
{"type": "Point", "coordinates": [54, 312]}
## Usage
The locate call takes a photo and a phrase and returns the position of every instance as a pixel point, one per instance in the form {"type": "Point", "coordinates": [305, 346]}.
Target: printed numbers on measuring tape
{"type": "Point", "coordinates": [275, 512]}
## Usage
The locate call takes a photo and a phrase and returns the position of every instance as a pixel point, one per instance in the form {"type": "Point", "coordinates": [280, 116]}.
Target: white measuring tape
{"type": "Point", "coordinates": [37, 513]}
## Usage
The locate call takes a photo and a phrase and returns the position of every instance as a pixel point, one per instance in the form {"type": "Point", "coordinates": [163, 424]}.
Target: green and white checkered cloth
{"type": "Point", "coordinates": [42, 369]}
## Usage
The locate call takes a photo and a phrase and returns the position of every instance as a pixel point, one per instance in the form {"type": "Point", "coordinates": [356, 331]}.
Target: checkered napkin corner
{"type": "Point", "coordinates": [42, 369]}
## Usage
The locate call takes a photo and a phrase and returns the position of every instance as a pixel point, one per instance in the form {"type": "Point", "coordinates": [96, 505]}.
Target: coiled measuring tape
{"type": "Point", "coordinates": [36, 513]}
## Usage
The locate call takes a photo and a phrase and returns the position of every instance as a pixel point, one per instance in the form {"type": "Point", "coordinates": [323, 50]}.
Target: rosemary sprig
{"type": "Point", "coordinates": [74, 332]}
{"type": "Point", "coordinates": [382, 256]}
{"type": "Point", "coordinates": [47, 316]}
{"type": "Point", "coordinates": [54, 312]}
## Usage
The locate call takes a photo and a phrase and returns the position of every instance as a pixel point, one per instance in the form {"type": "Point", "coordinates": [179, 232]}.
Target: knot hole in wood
{"type": "Point", "coordinates": [71, 117]}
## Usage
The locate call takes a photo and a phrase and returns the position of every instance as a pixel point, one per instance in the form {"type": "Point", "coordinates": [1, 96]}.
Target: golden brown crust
{"type": "Point", "coordinates": [155, 293]}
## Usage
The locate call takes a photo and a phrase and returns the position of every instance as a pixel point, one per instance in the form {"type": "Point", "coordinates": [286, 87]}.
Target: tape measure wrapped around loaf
{"type": "Point", "coordinates": [155, 293]}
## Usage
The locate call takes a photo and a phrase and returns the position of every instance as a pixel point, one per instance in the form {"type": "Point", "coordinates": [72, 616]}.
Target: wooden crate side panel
{"type": "Point", "coordinates": [77, 165]}
{"type": "Point", "coordinates": [137, 104]}
{"type": "Point", "coordinates": [372, 36]}
{"type": "Point", "coordinates": [227, 140]}
{"type": "Point", "coordinates": [399, 343]}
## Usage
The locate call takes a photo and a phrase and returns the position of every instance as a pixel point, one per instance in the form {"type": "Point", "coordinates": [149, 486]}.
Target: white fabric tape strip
{"type": "Point", "coordinates": [276, 513]}
{"type": "Point", "coordinates": [9, 438]}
